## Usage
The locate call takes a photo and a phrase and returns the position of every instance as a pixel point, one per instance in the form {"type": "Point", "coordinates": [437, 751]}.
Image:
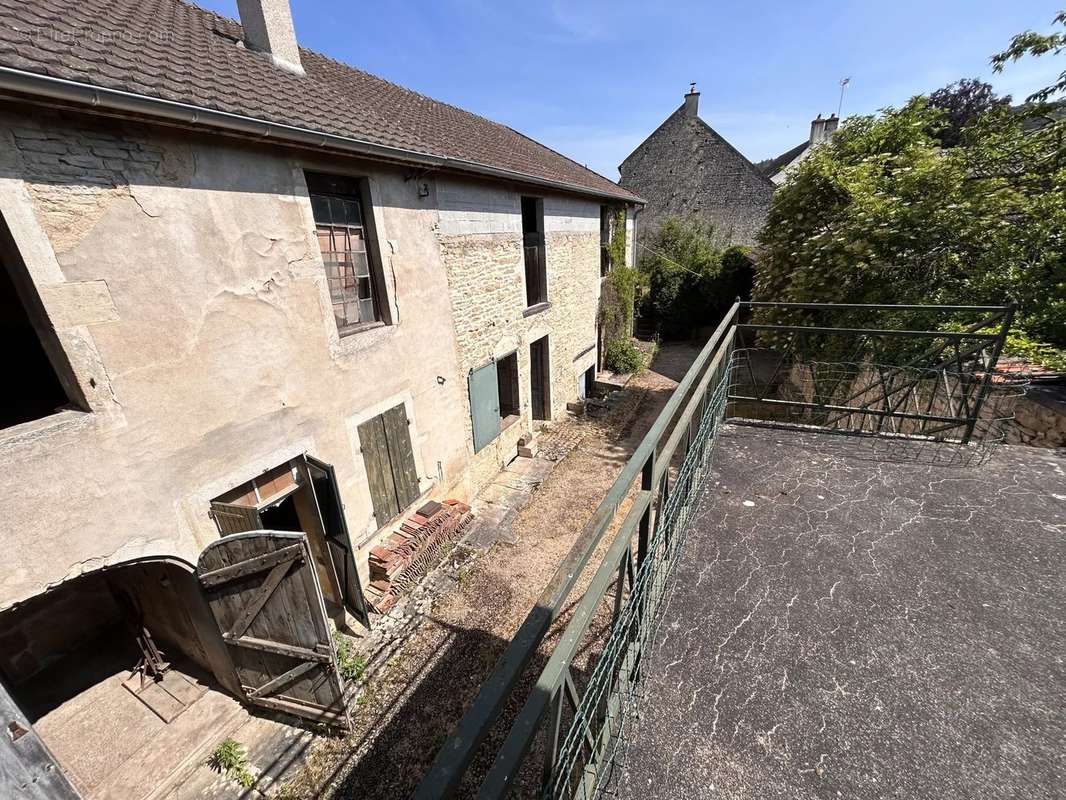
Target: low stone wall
{"type": "Point", "coordinates": [1040, 418]}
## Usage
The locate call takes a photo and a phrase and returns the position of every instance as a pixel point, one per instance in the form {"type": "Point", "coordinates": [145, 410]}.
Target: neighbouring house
{"type": "Point", "coordinates": [778, 169]}
{"type": "Point", "coordinates": [245, 286]}
{"type": "Point", "coordinates": [686, 168]}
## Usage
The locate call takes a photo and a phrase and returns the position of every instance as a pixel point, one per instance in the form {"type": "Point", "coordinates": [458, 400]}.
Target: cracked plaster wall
{"type": "Point", "coordinates": [183, 279]}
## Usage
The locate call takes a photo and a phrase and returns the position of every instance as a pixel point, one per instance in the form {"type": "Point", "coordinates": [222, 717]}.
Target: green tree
{"type": "Point", "coordinates": [963, 102]}
{"type": "Point", "coordinates": [681, 265]}
{"type": "Point", "coordinates": [882, 214]}
{"type": "Point", "coordinates": [1036, 44]}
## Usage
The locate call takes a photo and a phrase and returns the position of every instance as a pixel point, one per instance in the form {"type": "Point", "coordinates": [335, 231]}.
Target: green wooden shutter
{"type": "Point", "coordinates": [484, 405]}
{"type": "Point", "coordinates": [401, 455]}
{"type": "Point", "coordinates": [378, 469]}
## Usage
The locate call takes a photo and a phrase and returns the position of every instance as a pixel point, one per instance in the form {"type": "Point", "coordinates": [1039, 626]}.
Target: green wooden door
{"type": "Point", "coordinates": [390, 463]}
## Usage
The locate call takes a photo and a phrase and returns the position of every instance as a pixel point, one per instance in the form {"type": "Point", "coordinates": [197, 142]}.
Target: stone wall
{"type": "Point", "coordinates": [481, 249]}
{"type": "Point", "coordinates": [1039, 418]}
{"type": "Point", "coordinates": [685, 168]}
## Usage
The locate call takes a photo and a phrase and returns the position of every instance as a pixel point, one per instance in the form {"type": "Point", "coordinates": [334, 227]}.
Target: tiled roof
{"type": "Point", "coordinates": [772, 166]}
{"type": "Point", "coordinates": [171, 50]}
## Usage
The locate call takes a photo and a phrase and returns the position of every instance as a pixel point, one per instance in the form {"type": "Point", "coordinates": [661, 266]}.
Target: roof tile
{"type": "Point", "coordinates": [172, 50]}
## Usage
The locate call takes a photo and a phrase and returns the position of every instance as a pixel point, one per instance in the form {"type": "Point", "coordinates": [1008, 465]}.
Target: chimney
{"type": "Point", "coordinates": [692, 102]}
{"type": "Point", "coordinates": [822, 128]}
{"type": "Point", "coordinates": [268, 28]}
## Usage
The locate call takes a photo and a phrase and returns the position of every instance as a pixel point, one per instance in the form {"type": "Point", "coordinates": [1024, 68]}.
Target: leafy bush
{"type": "Point", "coordinates": [1019, 344]}
{"type": "Point", "coordinates": [231, 759]}
{"type": "Point", "coordinates": [623, 356]}
{"type": "Point", "coordinates": [883, 214]}
{"type": "Point", "coordinates": [692, 282]}
{"type": "Point", "coordinates": [350, 665]}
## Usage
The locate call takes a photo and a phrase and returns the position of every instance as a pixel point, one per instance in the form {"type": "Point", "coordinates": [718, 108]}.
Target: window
{"type": "Point", "coordinates": [45, 382]}
{"type": "Point", "coordinates": [507, 386]}
{"type": "Point", "coordinates": [494, 399]}
{"type": "Point", "coordinates": [533, 249]}
{"type": "Point", "coordinates": [345, 236]}
{"type": "Point", "coordinates": [605, 240]}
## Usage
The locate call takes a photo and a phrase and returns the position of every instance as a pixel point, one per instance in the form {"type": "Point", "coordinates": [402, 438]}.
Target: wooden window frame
{"type": "Point", "coordinates": [534, 252]}
{"type": "Point", "coordinates": [357, 189]}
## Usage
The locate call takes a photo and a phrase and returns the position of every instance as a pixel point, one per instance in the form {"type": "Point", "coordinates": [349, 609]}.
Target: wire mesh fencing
{"type": "Point", "coordinates": [933, 415]}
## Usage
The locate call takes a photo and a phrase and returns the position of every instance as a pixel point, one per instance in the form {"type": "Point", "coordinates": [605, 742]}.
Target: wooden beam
{"type": "Point", "coordinates": [284, 679]}
{"type": "Point", "coordinates": [294, 651]}
{"type": "Point", "coordinates": [259, 599]}
{"type": "Point", "coordinates": [253, 565]}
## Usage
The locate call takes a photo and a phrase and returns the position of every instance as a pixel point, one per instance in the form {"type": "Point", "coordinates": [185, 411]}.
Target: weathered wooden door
{"type": "Point", "coordinates": [331, 509]}
{"type": "Point", "coordinates": [390, 463]}
{"type": "Point", "coordinates": [538, 378]}
{"type": "Point", "coordinates": [264, 593]}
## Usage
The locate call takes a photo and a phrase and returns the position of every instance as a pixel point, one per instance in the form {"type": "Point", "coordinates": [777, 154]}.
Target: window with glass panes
{"type": "Point", "coordinates": [340, 224]}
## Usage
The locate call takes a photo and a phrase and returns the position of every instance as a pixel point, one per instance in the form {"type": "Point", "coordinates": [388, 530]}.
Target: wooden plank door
{"type": "Point", "coordinates": [263, 590]}
{"type": "Point", "coordinates": [328, 497]}
{"type": "Point", "coordinates": [401, 455]}
{"type": "Point", "coordinates": [28, 769]}
{"type": "Point", "coordinates": [390, 463]}
{"type": "Point", "coordinates": [538, 378]}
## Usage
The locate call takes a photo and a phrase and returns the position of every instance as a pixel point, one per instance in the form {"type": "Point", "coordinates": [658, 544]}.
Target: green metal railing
{"type": "Point", "coordinates": [576, 715]}
{"type": "Point", "coordinates": [576, 712]}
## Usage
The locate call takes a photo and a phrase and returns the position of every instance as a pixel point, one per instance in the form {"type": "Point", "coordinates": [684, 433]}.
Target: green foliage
{"type": "Point", "coordinates": [350, 665]}
{"type": "Point", "coordinates": [623, 356]}
{"type": "Point", "coordinates": [963, 102]}
{"type": "Point", "coordinates": [1036, 44]}
{"type": "Point", "coordinates": [1019, 344]}
{"type": "Point", "coordinates": [617, 303]}
{"type": "Point", "coordinates": [882, 214]}
{"type": "Point", "coordinates": [617, 246]}
{"type": "Point", "coordinates": [691, 281]}
{"type": "Point", "coordinates": [231, 759]}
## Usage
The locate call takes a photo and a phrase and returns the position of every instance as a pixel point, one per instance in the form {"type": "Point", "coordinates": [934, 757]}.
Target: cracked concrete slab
{"type": "Point", "coordinates": [842, 627]}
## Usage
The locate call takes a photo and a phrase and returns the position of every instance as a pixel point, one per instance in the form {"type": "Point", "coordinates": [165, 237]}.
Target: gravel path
{"type": "Point", "coordinates": [410, 706]}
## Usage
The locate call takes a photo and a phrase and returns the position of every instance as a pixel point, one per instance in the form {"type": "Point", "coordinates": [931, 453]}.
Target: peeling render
{"type": "Point", "coordinates": [183, 278]}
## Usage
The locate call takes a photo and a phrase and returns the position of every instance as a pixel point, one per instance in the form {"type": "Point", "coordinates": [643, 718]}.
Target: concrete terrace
{"type": "Point", "coordinates": [846, 627]}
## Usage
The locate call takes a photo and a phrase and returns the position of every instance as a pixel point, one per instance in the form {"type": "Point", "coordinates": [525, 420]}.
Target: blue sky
{"type": "Point", "coordinates": [593, 78]}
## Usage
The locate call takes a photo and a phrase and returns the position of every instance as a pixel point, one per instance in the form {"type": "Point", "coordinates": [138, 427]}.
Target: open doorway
{"type": "Point", "coordinates": [539, 379]}
{"type": "Point", "coordinates": [301, 495]}
{"type": "Point", "coordinates": [121, 674]}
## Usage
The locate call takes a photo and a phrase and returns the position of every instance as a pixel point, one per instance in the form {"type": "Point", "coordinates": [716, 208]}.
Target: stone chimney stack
{"type": "Point", "coordinates": [692, 103]}
{"type": "Point", "coordinates": [268, 28]}
{"type": "Point", "coordinates": [821, 128]}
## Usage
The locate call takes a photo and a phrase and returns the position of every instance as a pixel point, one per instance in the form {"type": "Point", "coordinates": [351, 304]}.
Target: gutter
{"type": "Point", "coordinates": [116, 100]}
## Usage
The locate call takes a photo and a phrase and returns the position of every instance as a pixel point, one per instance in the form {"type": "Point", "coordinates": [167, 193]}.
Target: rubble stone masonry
{"type": "Point", "coordinates": [482, 254]}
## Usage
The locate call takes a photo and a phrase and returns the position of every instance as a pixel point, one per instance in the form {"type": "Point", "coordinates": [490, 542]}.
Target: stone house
{"type": "Point", "coordinates": [778, 169]}
{"type": "Point", "coordinates": [247, 286]}
{"type": "Point", "coordinates": [686, 168]}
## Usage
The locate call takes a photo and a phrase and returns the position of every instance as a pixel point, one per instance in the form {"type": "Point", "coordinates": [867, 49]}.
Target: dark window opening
{"type": "Point", "coordinates": [344, 226]}
{"type": "Point", "coordinates": [40, 392]}
{"type": "Point", "coordinates": [605, 240]}
{"type": "Point", "coordinates": [507, 386]}
{"type": "Point", "coordinates": [533, 250]}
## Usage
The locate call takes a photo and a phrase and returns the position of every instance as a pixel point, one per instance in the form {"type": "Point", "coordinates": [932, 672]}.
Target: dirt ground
{"type": "Point", "coordinates": [410, 706]}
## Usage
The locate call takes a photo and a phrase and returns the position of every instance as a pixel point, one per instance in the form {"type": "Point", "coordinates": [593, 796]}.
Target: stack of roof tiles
{"type": "Point", "coordinates": [410, 552]}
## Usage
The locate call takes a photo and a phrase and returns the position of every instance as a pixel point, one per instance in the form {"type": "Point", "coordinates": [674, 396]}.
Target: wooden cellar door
{"type": "Point", "coordinates": [264, 593]}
